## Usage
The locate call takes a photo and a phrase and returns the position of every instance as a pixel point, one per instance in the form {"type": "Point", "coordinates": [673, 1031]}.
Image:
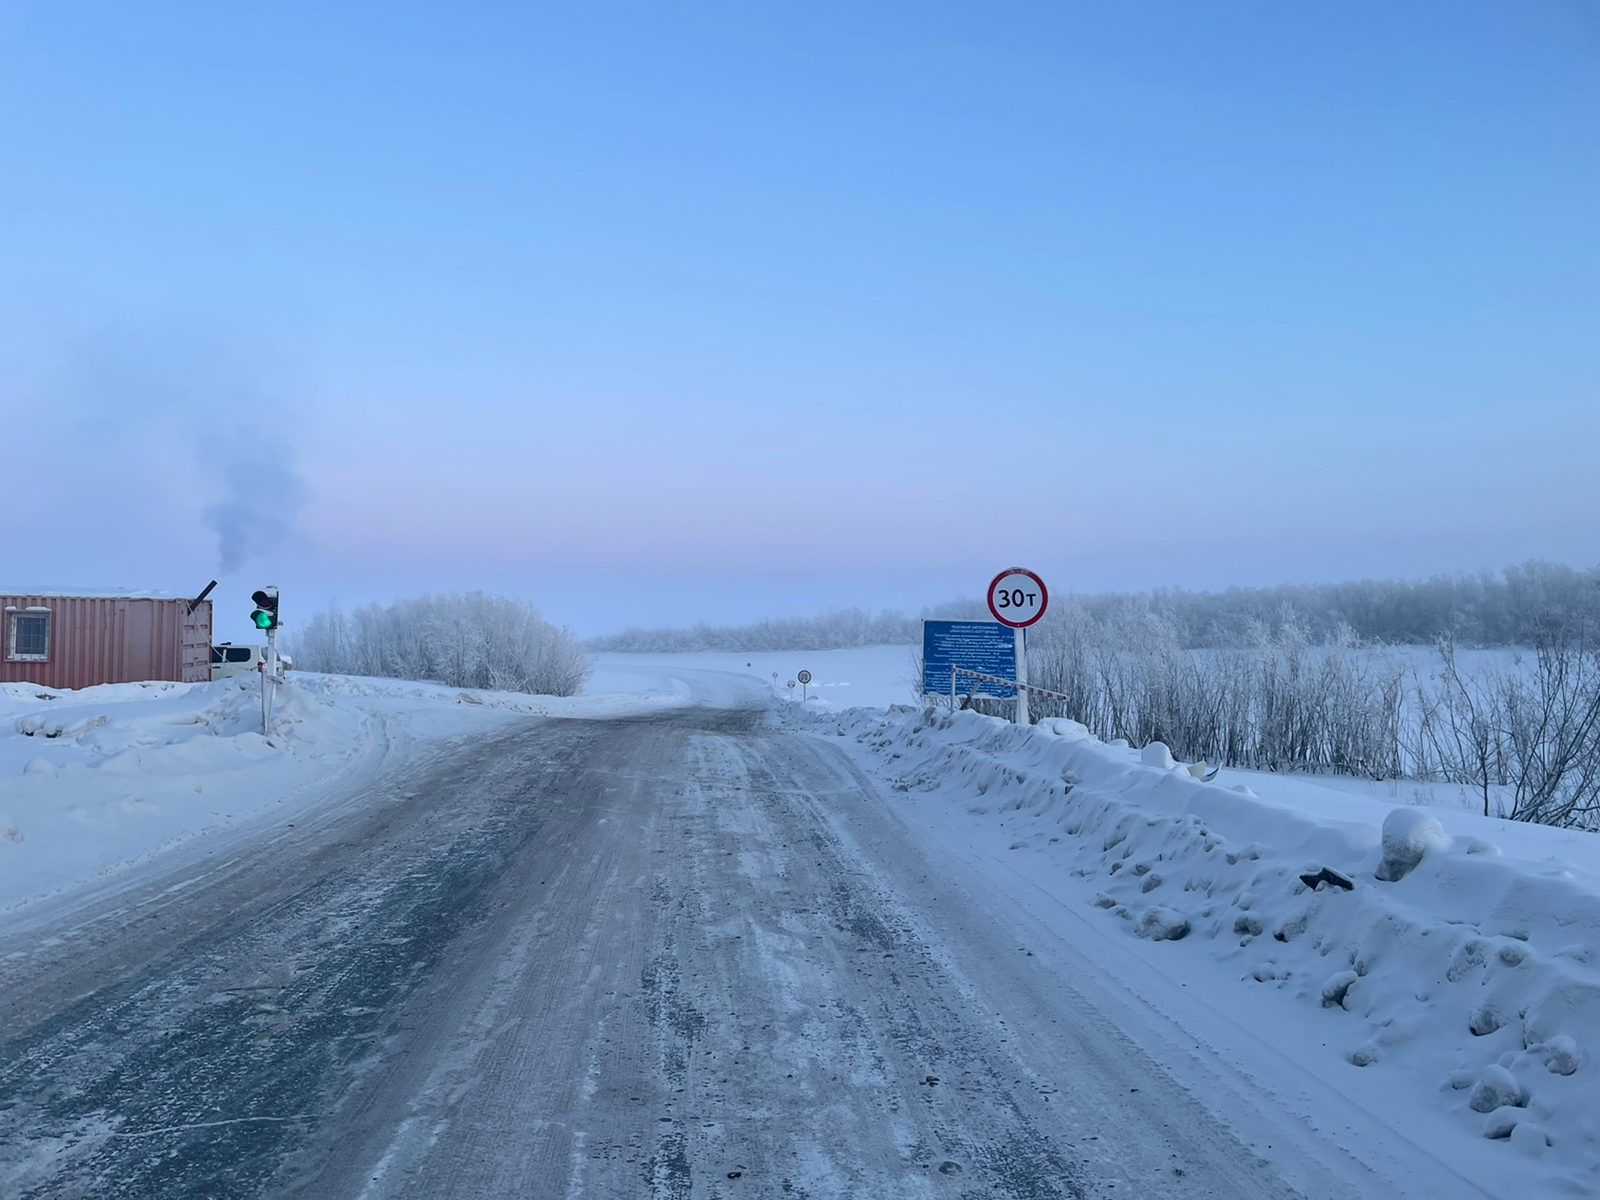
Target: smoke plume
{"type": "Point", "coordinates": [263, 498]}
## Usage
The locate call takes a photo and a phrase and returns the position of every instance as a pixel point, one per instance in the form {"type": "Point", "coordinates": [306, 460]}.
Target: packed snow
{"type": "Point", "coordinates": [1439, 969]}
{"type": "Point", "coordinates": [871, 676]}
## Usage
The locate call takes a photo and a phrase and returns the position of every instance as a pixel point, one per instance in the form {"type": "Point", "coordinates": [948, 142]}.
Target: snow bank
{"type": "Point", "coordinates": [419, 699]}
{"type": "Point", "coordinates": [1402, 940]}
{"type": "Point", "coordinates": [93, 781]}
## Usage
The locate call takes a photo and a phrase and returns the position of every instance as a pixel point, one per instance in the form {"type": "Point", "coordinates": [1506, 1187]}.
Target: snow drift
{"type": "Point", "coordinates": [1417, 947]}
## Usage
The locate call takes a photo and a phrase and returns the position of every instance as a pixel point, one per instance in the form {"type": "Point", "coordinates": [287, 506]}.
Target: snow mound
{"type": "Point", "coordinates": [1156, 754]}
{"type": "Point", "coordinates": [1424, 956]}
{"type": "Point", "coordinates": [1162, 925]}
{"type": "Point", "coordinates": [1496, 1088]}
{"type": "Point", "coordinates": [1408, 834]}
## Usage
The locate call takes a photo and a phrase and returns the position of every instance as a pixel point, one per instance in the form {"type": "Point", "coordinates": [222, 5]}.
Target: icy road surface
{"type": "Point", "coordinates": [688, 954]}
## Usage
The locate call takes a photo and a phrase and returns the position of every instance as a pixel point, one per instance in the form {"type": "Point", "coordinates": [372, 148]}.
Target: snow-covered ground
{"type": "Point", "coordinates": [95, 780]}
{"type": "Point", "coordinates": [1456, 1009]}
{"type": "Point", "coordinates": [98, 780]}
{"type": "Point", "coordinates": [873, 676]}
{"type": "Point", "coordinates": [1449, 1016]}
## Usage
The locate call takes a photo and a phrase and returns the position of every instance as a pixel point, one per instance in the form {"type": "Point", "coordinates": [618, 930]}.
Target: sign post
{"type": "Point", "coordinates": [1018, 598]}
{"type": "Point", "coordinates": [805, 678]}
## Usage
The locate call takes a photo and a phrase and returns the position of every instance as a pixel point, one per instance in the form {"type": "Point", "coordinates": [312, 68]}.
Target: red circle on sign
{"type": "Point", "coordinates": [1035, 613]}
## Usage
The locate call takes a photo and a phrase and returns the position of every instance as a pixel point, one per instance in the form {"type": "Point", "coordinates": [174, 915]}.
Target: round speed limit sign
{"type": "Point", "coordinates": [1017, 598]}
{"type": "Point", "coordinates": [804, 677]}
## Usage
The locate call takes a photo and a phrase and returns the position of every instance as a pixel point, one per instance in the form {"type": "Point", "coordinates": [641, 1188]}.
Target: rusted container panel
{"type": "Point", "coordinates": [81, 641]}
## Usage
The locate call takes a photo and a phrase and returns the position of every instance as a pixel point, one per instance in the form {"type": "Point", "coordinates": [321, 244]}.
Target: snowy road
{"type": "Point", "coordinates": [681, 955]}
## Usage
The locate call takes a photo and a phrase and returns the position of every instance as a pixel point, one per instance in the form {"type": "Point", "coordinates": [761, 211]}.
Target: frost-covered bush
{"type": "Point", "coordinates": [1278, 702]}
{"type": "Point", "coordinates": [1527, 739]}
{"type": "Point", "coordinates": [471, 641]}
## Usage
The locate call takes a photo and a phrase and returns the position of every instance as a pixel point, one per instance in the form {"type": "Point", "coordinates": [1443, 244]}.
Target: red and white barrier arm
{"type": "Point", "coordinates": [1011, 683]}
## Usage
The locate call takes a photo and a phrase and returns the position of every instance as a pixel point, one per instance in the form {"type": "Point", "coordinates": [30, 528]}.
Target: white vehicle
{"type": "Point", "coordinates": [228, 660]}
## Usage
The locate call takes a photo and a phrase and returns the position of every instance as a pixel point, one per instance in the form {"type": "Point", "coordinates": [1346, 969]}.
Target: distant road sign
{"type": "Point", "coordinates": [804, 677]}
{"type": "Point", "coordinates": [980, 646]}
{"type": "Point", "coordinates": [1018, 598]}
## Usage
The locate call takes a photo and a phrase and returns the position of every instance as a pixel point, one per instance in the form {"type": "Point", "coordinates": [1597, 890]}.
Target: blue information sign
{"type": "Point", "coordinates": [985, 646]}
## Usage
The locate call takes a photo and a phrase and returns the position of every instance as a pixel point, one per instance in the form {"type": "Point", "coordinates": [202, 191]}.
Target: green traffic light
{"type": "Point", "coordinates": [262, 618]}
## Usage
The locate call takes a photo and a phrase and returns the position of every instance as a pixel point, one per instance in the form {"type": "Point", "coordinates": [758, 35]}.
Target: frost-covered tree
{"type": "Point", "coordinates": [473, 640]}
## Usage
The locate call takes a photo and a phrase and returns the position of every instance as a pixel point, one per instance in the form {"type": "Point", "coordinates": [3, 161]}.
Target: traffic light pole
{"type": "Point", "coordinates": [265, 618]}
{"type": "Point", "coordinates": [269, 677]}
{"type": "Point", "coordinates": [265, 704]}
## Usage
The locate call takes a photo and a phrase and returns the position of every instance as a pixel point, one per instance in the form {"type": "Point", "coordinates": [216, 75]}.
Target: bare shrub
{"type": "Point", "coordinates": [1527, 740]}
{"type": "Point", "coordinates": [1460, 728]}
{"type": "Point", "coordinates": [1552, 725]}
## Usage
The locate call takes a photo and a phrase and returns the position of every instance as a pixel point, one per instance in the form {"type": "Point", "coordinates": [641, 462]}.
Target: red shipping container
{"type": "Point", "coordinates": [81, 641]}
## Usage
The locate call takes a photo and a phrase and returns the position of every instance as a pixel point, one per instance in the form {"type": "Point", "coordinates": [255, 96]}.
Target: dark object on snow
{"type": "Point", "coordinates": [1329, 876]}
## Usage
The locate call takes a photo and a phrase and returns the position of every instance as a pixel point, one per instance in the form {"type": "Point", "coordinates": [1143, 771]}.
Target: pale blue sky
{"type": "Point", "coordinates": [651, 313]}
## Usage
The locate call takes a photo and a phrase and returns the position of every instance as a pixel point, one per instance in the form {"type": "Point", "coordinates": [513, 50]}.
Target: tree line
{"type": "Point", "coordinates": [1490, 608]}
{"type": "Point", "coordinates": [841, 629]}
{"type": "Point", "coordinates": [1512, 607]}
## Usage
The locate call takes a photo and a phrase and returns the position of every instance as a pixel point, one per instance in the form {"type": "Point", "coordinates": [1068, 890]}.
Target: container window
{"type": "Point", "coordinates": [28, 637]}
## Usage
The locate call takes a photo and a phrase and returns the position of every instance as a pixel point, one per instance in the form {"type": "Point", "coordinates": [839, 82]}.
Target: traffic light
{"type": "Point", "coordinates": [266, 613]}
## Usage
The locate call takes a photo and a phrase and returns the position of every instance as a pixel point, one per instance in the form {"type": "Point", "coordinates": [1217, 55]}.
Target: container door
{"type": "Point", "coordinates": [139, 659]}
{"type": "Point", "coordinates": [197, 643]}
